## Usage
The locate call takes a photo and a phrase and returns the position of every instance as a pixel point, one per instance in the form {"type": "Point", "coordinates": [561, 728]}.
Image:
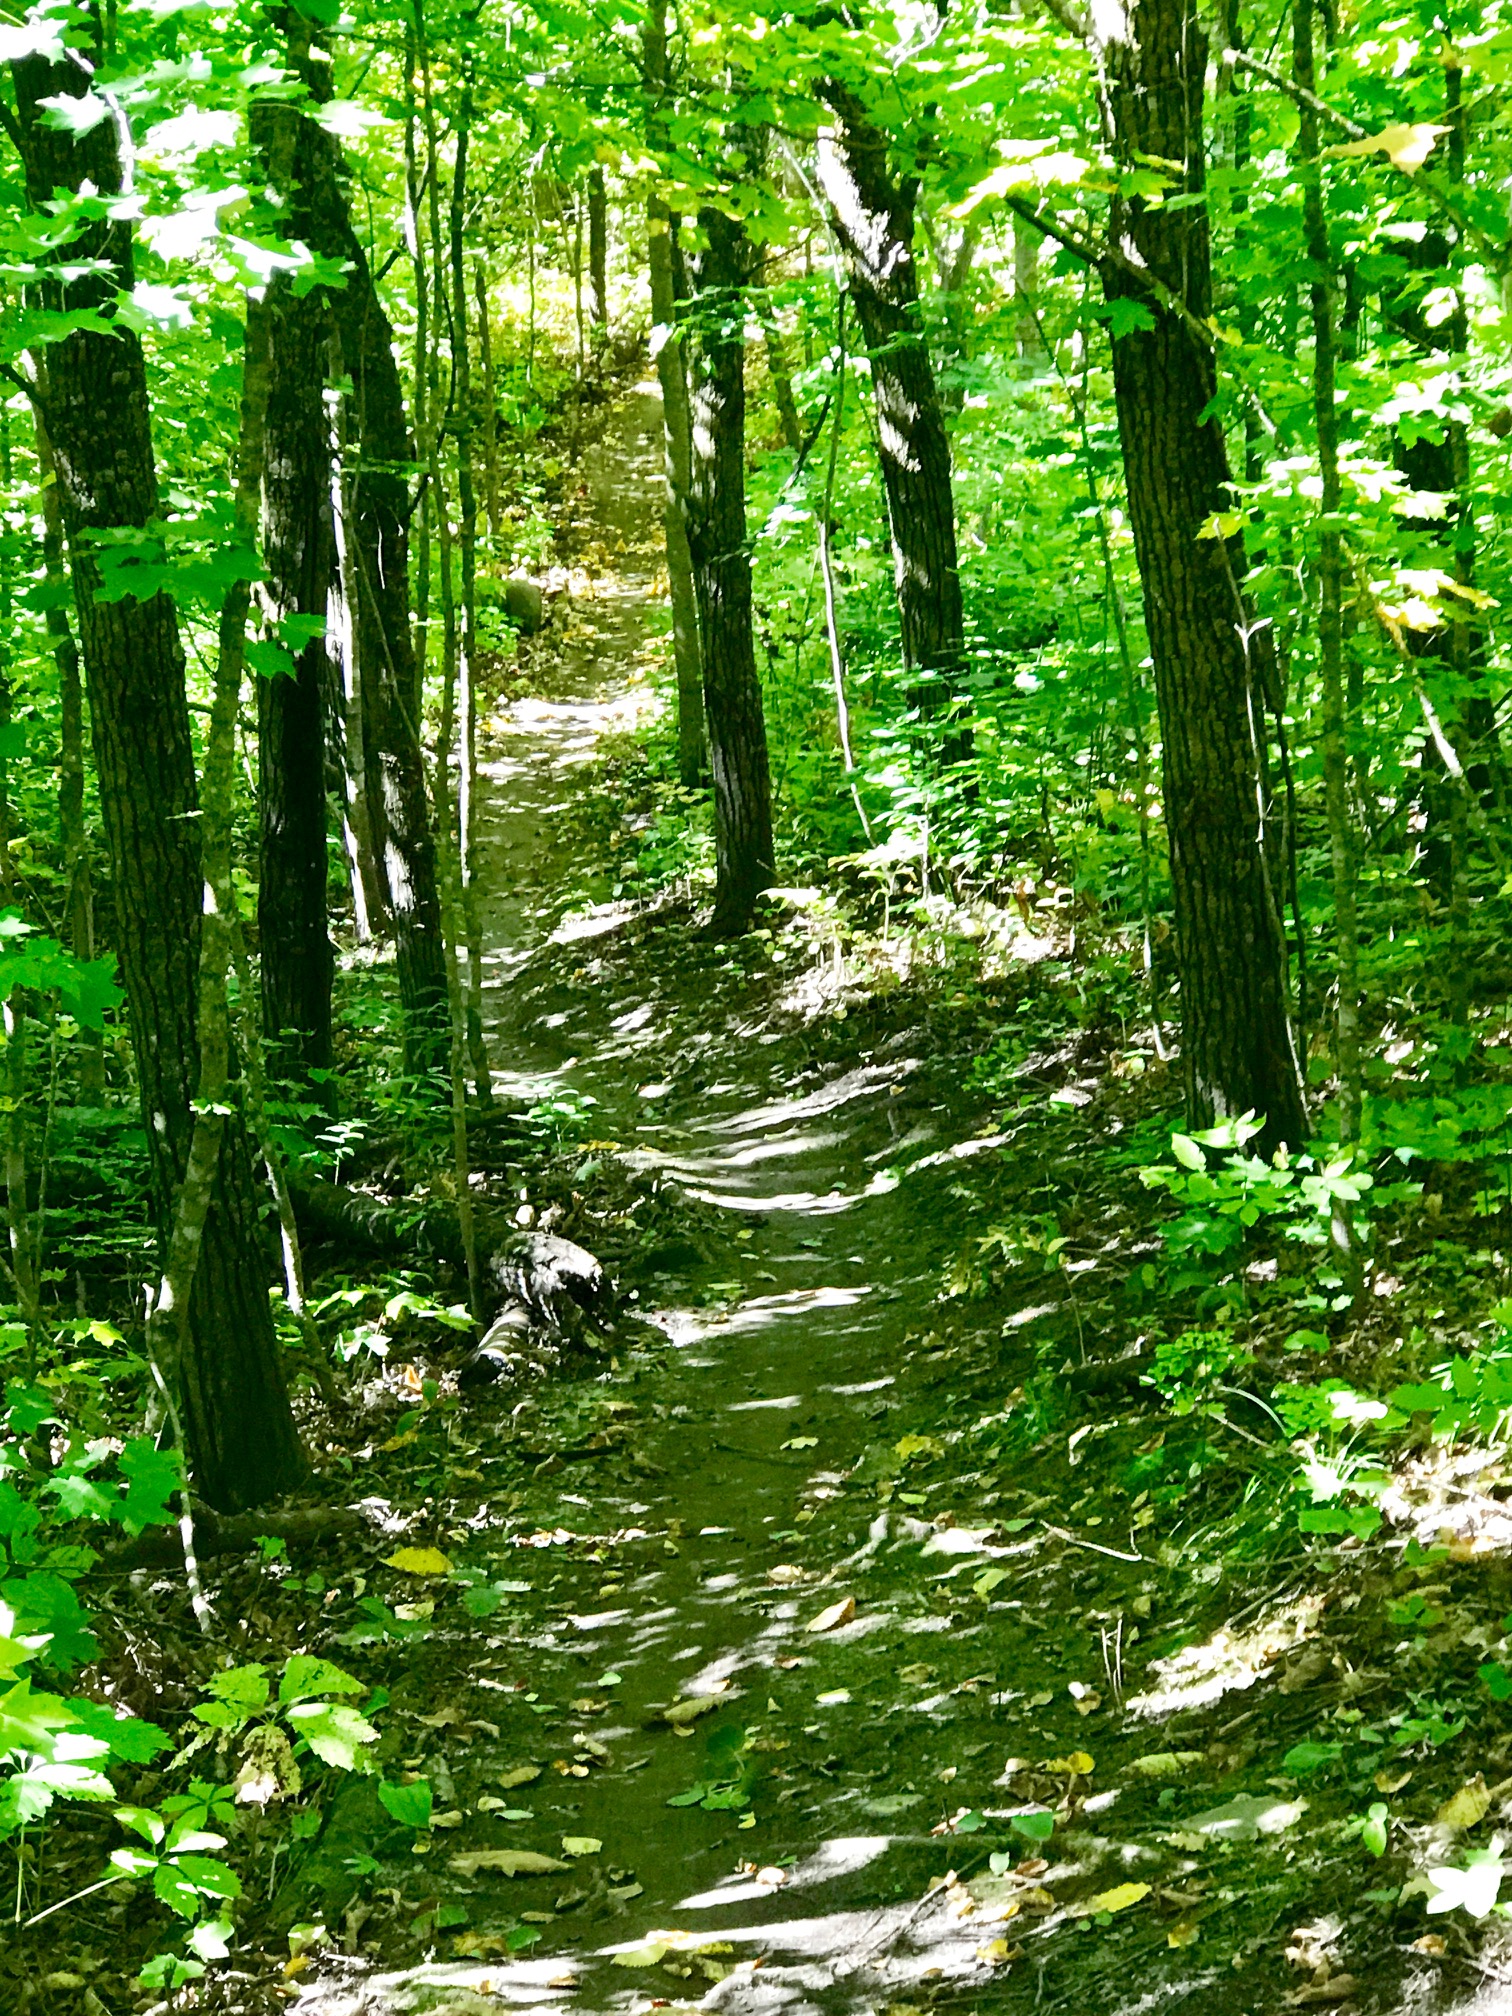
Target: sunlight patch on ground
{"type": "Point", "coordinates": [1228, 1660]}
{"type": "Point", "coordinates": [688, 1326]}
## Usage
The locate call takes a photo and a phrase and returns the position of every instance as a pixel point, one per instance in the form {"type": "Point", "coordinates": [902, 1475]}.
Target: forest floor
{"type": "Point", "coordinates": [763, 1640]}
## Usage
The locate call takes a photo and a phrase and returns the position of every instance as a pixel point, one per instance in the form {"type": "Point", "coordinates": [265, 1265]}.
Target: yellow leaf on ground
{"type": "Point", "coordinates": [1465, 1808]}
{"type": "Point", "coordinates": [836, 1615]}
{"type": "Point", "coordinates": [1078, 1765]}
{"type": "Point", "coordinates": [1184, 1934]}
{"type": "Point", "coordinates": [1117, 1899]}
{"type": "Point", "coordinates": [580, 1844]}
{"type": "Point", "coordinates": [418, 1561]}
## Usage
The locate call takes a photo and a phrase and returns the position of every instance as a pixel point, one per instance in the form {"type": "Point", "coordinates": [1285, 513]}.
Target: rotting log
{"type": "Point", "coordinates": [560, 1287]}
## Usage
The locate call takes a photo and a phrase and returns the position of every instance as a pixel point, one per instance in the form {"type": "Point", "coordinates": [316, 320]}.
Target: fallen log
{"type": "Point", "coordinates": [560, 1286]}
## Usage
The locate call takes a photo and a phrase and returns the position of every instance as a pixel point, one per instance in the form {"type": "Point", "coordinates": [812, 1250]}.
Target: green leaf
{"type": "Point", "coordinates": [1033, 1826]}
{"type": "Point", "coordinates": [305, 1677]}
{"type": "Point", "coordinates": [152, 1476]}
{"type": "Point", "coordinates": [335, 1732]}
{"type": "Point", "coordinates": [1124, 317]}
{"type": "Point", "coordinates": [1187, 1153]}
{"type": "Point", "coordinates": [410, 1805]}
{"type": "Point", "coordinates": [45, 1603]}
{"type": "Point", "coordinates": [29, 1721]}
{"type": "Point", "coordinates": [1305, 1757]}
{"type": "Point", "coordinates": [242, 1687]}
{"type": "Point", "coordinates": [131, 1740]}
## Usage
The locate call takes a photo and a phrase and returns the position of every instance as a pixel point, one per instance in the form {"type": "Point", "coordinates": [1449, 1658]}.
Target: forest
{"type": "Point", "coordinates": [756, 1075]}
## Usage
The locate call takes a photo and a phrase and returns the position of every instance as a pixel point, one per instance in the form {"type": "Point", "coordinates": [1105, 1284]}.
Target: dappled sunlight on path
{"type": "Point", "coordinates": [682, 1636]}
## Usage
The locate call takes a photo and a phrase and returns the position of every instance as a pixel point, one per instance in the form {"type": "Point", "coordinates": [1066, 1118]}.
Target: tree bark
{"type": "Point", "coordinates": [467, 656]}
{"type": "Point", "coordinates": [299, 560]}
{"type": "Point", "coordinates": [488, 407]}
{"type": "Point", "coordinates": [598, 259]}
{"type": "Point", "coordinates": [1209, 680]}
{"type": "Point", "coordinates": [668, 352]}
{"type": "Point", "coordinates": [874, 217]}
{"type": "Point", "coordinates": [242, 1445]}
{"type": "Point", "coordinates": [716, 525]}
{"type": "Point", "coordinates": [376, 507]}
{"type": "Point", "coordinates": [73, 830]}
{"type": "Point", "coordinates": [1330, 587]}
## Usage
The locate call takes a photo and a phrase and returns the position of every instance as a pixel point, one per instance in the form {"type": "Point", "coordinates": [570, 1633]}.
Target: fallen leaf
{"type": "Point", "coordinates": [915, 1676]}
{"type": "Point", "coordinates": [1117, 1899]}
{"type": "Point", "coordinates": [521, 1774]}
{"type": "Point", "coordinates": [1465, 1808]}
{"type": "Point", "coordinates": [918, 1445]}
{"type": "Point", "coordinates": [1164, 1763]}
{"type": "Point", "coordinates": [802, 1442]}
{"type": "Point", "coordinates": [1184, 1934]}
{"type": "Point", "coordinates": [1078, 1765]}
{"type": "Point", "coordinates": [681, 1713]}
{"type": "Point", "coordinates": [580, 1844]}
{"type": "Point", "coordinates": [418, 1561]}
{"type": "Point", "coordinates": [1246, 1818]}
{"type": "Point", "coordinates": [505, 1862]}
{"type": "Point", "coordinates": [1433, 1944]}
{"type": "Point", "coordinates": [993, 1951]}
{"type": "Point", "coordinates": [836, 1615]}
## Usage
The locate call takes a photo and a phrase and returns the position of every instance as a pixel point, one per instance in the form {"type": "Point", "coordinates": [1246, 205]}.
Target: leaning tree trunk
{"type": "Point", "coordinates": [716, 522]}
{"type": "Point", "coordinates": [874, 216]}
{"type": "Point", "coordinates": [376, 503]}
{"type": "Point", "coordinates": [242, 1444]}
{"type": "Point", "coordinates": [299, 560]}
{"type": "Point", "coordinates": [1236, 1037]}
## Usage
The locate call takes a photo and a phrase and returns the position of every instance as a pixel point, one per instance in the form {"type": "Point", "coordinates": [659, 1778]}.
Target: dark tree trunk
{"type": "Point", "coordinates": [598, 259]}
{"type": "Point", "coordinates": [716, 521]}
{"type": "Point", "coordinates": [1236, 1038]}
{"type": "Point", "coordinates": [299, 560]}
{"type": "Point", "coordinates": [377, 505]}
{"type": "Point", "coordinates": [241, 1442]}
{"type": "Point", "coordinates": [874, 216]}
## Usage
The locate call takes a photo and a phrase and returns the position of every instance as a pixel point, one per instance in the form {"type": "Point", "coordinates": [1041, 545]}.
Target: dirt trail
{"type": "Point", "coordinates": [697, 1567]}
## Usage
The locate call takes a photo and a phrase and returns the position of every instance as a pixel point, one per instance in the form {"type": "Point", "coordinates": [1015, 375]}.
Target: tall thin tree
{"type": "Point", "coordinates": [716, 522]}
{"type": "Point", "coordinates": [242, 1444]}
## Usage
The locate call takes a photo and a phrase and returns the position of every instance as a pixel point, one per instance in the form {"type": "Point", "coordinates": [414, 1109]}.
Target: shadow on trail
{"type": "Point", "coordinates": [702, 1615]}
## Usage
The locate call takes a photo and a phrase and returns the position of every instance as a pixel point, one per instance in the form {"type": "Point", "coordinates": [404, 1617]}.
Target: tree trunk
{"type": "Point", "coordinates": [598, 259]}
{"type": "Point", "coordinates": [1330, 591]}
{"type": "Point", "coordinates": [667, 350]}
{"type": "Point", "coordinates": [874, 216]}
{"type": "Point", "coordinates": [73, 830]}
{"type": "Point", "coordinates": [298, 561]}
{"type": "Point", "coordinates": [467, 659]}
{"type": "Point", "coordinates": [716, 525]}
{"type": "Point", "coordinates": [778, 372]}
{"type": "Point", "coordinates": [1236, 1039]}
{"type": "Point", "coordinates": [488, 406]}
{"type": "Point", "coordinates": [242, 1445]}
{"type": "Point", "coordinates": [376, 507]}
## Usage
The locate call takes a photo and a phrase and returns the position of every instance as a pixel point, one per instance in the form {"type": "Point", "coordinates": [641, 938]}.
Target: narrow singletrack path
{"type": "Point", "coordinates": [692, 1570]}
